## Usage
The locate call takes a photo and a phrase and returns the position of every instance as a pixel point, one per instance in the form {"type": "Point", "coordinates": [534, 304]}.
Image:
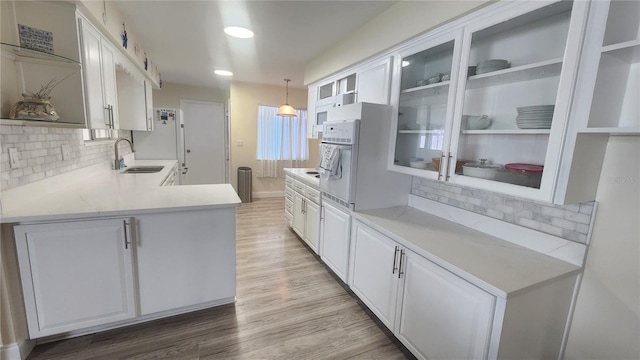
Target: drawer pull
{"type": "Point", "coordinates": [395, 257]}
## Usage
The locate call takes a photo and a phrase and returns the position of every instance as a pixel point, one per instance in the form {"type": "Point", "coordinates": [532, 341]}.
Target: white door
{"type": "Point", "coordinates": [298, 214]}
{"type": "Point", "coordinates": [443, 316]}
{"type": "Point", "coordinates": [76, 275]}
{"type": "Point", "coordinates": [374, 83]}
{"type": "Point", "coordinates": [92, 69]}
{"type": "Point", "coordinates": [336, 226]}
{"type": "Point", "coordinates": [312, 218]}
{"type": "Point", "coordinates": [375, 272]}
{"type": "Point", "coordinates": [205, 142]}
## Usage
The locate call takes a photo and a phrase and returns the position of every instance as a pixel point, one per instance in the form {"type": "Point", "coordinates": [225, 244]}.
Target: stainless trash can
{"type": "Point", "coordinates": [244, 183]}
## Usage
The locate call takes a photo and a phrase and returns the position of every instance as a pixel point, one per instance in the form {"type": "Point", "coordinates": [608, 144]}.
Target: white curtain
{"type": "Point", "coordinates": [282, 141]}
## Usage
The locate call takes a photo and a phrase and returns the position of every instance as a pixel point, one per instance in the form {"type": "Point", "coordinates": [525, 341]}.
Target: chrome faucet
{"type": "Point", "coordinates": [116, 163]}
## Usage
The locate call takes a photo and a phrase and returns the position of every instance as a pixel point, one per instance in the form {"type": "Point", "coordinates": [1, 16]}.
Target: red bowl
{"type": "Point", "coordinates": [524, 168]}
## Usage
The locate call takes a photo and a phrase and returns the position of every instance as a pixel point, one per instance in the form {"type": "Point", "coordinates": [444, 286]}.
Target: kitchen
{"type": "Point", "coordinates": [610, 276]}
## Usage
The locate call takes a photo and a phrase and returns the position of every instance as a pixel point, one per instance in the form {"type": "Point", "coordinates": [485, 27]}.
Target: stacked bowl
{"type": "Point", "coordinates": [491, 65]}
{"type": "Point", "coordinates": [535, 117]}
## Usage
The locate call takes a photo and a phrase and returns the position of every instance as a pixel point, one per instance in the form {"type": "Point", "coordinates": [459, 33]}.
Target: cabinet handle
{"type": "Point", "coordinates": [400, 272]}
{"type": "Point", "coordinates": [126, 237]}
{"type": "Point", "coordinates": [441, 168]}
{"type": "Point", "coordinates": [395, 257]}
{"type": "Point", "coordinates": [449, 166]}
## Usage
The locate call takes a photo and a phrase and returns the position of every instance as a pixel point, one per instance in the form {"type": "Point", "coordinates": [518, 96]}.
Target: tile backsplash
{"type": "Point", "coordinates": [40, 153]}
{"type": "Point", "coordinates": [570, 222]}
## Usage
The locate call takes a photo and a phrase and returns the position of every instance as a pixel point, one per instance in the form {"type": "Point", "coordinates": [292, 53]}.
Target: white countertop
{"type": "Point", "coordinates": [301, 174]}
{"type": "Point", "coordinates": [100, 191]}
{"type": "Point", "coordinates": [495, 265]}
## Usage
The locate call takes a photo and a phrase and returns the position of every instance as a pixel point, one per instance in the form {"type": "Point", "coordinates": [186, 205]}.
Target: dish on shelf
{"type": "Point", "coordinates": [521, 168]}
{"type": "Point", "coordinates": [481, 169]}
{"type": "Point", "coordinates": [522, 179]}
{"type": "Point", "coordinates": [475, 122]}
{"type": "Point", "coordinates": [446, 77]}
{"type": "Point", "coordinates": [459, 164]}
{"type": "Point", "coordinates": [418, 164]}
{"type": "Point", "coordinates": [535, 117]}
{"type": "Point", "coordinates": [435, 78]}
{"type": "Point", "coordinates": [471, 70]}
{"type": "Point", "coordinates": [490, 65]}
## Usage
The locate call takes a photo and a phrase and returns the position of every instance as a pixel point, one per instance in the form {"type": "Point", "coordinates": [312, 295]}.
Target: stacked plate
{"type": "Point", "coordinates": [491, 65]}
{"type": "Point", "coordinates": [535, 117]}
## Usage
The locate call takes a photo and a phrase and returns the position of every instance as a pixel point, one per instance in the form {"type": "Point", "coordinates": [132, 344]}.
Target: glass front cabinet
{"type": "Point", "coordinates": [488, 105]}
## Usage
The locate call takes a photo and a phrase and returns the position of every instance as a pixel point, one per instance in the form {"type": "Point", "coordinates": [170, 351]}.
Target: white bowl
{"type": "Point", "coordinates": [481, 170]}
{"type": "Point", "coordinates": [475, 122]}
{"type": "Point", "coordinates": [418, 164]}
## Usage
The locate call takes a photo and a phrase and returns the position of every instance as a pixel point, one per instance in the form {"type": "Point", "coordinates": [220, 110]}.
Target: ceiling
{"type": "Point", "coordinates": [186, 38]}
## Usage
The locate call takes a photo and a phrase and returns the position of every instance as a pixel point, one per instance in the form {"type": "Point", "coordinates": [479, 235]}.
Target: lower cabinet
{"type": "Point", "coordinates": [305, 212]}
{"type": "Point", "coordinates": [76, 275]}
{"type": "Point", "coordinates": [334, 240]}
{"type": "Point", "coordinates": [80, 275]}
{"type": "Point", "coordinates": [439, 315]}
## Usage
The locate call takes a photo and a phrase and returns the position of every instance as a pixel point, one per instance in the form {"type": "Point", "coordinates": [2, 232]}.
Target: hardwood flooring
{"type": "Point", "coordinates": [289, 306]}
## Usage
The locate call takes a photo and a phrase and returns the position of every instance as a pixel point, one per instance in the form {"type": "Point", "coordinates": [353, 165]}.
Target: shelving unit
{"type": "Point", "coordinates": [538, 70]}
{"type": "Point", "coordinates": [35, 123]}
{"type": "Point", "coordinates": [24, 54]}
{"type": "Point", "coordinates": [427, 90]}
{"type": "Point", "coordinates": [507, 132]}
{"type": "Point", "coordinates": [420, 131]}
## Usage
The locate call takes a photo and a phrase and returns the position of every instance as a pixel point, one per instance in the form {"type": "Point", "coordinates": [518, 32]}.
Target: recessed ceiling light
{"type": "Point", "coordinates": [405, 63]}
{"type": "Point", "coordinates": [238, 32]}
{"type": "Point", "coordinates": [223, 72]}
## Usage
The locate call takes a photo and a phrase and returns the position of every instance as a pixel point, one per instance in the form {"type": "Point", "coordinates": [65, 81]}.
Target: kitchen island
{"type": "Point", "coordinates": [97, 248]}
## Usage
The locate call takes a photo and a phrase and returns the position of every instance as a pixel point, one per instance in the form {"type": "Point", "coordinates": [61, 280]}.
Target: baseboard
{"type": "Point", "coordinates": [267, 194]}
{"type": "Point", "coordinates": [17, 351]}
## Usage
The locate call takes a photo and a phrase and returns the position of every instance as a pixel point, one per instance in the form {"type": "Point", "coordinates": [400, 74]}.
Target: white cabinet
{"type": "Point", "coordinates": [148, 98]}
{"type": "Point", "coordinates": [288, 200]}
{"type": "Point", "coordinates": [373, 82]}
{"type": "Point", "coordinates": [305, 214]}
{"type": "Point", "coordinates": [442, 316]}
{"type": "Point", "coordinates": [185, 259]}
{"type": "Point", "coordinates": [132, 94]}
{"type": "Point", "coordinates": [312, 97]}
{"type": "Point", "coordinates": [374, 272]}
{"type": "Point", "coordinates": [334, 239]}
{"type": "Point", "coordinates": [99, 77]}
{"type": "Point", "coordinates": [76, 275]}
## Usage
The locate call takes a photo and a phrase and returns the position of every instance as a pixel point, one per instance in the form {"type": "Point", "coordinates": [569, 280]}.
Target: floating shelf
{"type": "Point", "coordinates": [539, 70]}
{"type": "Point", "coordinates": [611, 130]}
{"type": "Point", "coordinates": [24, 54]}
{"type": "Point", "coordinates": [507, 132]}
{"type": "Point", "coordinates": [427, 90]}
{"type": "Point", "coordinates": [36, 123]}
{"type": "Point", "coordinates": [628, 51]}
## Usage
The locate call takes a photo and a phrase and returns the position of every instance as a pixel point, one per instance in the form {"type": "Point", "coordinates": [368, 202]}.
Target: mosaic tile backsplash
{"type": "Point", "coordinates": [40, 153]}
{"type": "Point", "coordinates": [570, 222]}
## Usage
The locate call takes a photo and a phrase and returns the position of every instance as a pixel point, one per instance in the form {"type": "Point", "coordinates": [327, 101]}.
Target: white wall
{"type": "Point", "coordinates": [400, 22]}
{"type": "Point", "coordinates": [606, 322]}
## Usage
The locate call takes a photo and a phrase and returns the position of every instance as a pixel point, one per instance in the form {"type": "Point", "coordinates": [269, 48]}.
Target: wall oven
{"type": "Point", "coordinates": [342, 135]}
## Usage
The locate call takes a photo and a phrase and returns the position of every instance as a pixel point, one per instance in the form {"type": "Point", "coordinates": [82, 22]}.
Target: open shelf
{"type": "Point", "coordinates": [539, 70]}
{"type": "Point", "coordinates": [21, 53]}
{"type": "Point", "coordinates": [36, 123]}
{"type": "Point", "coordinates": [507, 132]}
{"type": "Point", "coordinates": [628, 51]}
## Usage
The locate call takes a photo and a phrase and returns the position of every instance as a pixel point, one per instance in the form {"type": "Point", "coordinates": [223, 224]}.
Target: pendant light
{"type": "Point", "coordinates": [286, 109]}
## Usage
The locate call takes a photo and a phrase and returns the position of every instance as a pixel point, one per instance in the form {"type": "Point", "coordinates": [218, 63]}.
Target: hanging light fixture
{"type": "Point", "coordinates": [286, 109]}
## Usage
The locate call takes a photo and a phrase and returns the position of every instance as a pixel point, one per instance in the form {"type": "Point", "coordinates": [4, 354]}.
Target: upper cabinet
{"type": "Point", "coordinates": [488, 105]}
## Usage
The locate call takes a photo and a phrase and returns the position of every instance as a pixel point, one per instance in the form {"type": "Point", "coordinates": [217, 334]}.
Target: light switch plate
{"type": "Point", "coordinates": [14, 158]}
{"type": "Point", "coordinates": [66, 152]}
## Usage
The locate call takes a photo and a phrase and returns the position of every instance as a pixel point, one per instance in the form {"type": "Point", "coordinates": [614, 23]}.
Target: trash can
{"type": "Point", "coordinates": [244, 183]}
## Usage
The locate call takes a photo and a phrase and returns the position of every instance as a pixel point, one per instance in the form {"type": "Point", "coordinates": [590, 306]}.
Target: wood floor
{"type": "Point", "coordinates": [289, 306]}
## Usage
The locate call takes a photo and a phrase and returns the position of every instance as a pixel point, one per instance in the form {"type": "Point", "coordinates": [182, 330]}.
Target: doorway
{"type": "Point", "coordinates": [204, 147]}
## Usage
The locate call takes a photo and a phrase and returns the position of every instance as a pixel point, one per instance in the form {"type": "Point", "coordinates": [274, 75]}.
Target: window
{"type": "Point", "coordinates": [281, 138]}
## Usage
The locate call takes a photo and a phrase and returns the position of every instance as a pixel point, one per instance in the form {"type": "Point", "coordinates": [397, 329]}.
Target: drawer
{"type": "Point", "coordinates": [299, 187]}
{"type": "Point", "coordinates": [288, 218]}
{"type": "Point", "coordinates": [288, 180]}
{"type": "Point", "coordinates": [288, 206]}
{"type": "Point", "coordinates": [313, 195]}
{"type": "Point", "coordinates": [288, 193]}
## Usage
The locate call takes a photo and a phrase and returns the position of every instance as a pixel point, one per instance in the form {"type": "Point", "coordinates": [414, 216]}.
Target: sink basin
{"type": "Point", "coordinates": [312, 172]}
{"type": "Point", "coordinates": [143, 170]}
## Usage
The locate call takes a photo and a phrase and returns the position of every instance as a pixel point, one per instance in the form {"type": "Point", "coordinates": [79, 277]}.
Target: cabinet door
{"type": "Point", "coordinates": [513, 101]}
{"type": "Point", "coordinates": [336, 226]}
{"type": "Point", "coordinates": [148, 97]}
{"type": "Point", "coordinates": [443, 316]}
{"type": "Point", "coordinates": [425, 93]}
{"type": "Point", "coordinates": [298, 214]}
{"type": "Point", "coordinates": [374, 83]}
{"type": "Point", "coordinates": [109, 85]}
{"type": "Point", "coordinates": [374, 272]}
{"type": "Point", "coordinates": [311, 112]}
{"type": "Point", "coordinates": [76, 275]}
{"type": "Point", "coordinates": [91, 42]}
{"type": "Point", "coordinates": [312, 224]}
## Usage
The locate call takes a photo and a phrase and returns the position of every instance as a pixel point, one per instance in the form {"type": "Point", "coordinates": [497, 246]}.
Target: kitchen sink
{"type": "Point", "coordinates": [143, 170]}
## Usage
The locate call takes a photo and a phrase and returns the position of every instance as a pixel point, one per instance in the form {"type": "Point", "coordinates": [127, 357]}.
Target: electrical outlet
{"type": "Point", "coordinates": [14, 158]}
{"type": "Point", "coordinates": [66, 152]}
